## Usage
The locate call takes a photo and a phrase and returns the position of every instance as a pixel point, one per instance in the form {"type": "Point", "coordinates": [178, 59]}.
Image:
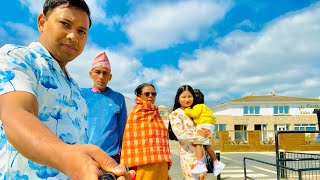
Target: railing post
{"type": "Point", "coordinates": [245, 168]}
{"type": "Point", "coordinates": [277, 154]}
{"type": "Point", "coordinates": [282, 163]}
{"type": "Point", "coordinates": [218, 157]}
{"type": "Point", "coordinates": [300, 175]}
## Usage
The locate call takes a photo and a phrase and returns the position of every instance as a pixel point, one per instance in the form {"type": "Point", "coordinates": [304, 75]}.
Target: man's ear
{"type": "Point", "coordinates": [90, 74]}
{"type": "Point", "coordinates": [110, 77]}
{"type": "Point", "coordinates": [41, 21]}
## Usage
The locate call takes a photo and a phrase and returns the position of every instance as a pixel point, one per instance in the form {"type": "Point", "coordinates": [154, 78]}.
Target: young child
{"type": "Point", "coordinates": [203, 118]}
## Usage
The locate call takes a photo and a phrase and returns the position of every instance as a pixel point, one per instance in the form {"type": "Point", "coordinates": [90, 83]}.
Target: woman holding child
{"type": "Point", "coordinates": [186, 133]}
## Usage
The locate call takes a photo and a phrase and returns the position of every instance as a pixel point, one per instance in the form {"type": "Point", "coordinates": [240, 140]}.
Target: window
{"type": "Point", "coordinates": [281, 127]}
{"type": "Point", "coordinates": [265, 134]}
{"type": "Point", "coordinates": [240, 132]}
{"type": "Point", "coordinates": [278, 110]}
{"type": "Point", "coordinates": [260, 127]}
{"type": "Point", "coordinates": [251, 110]}
{"type": "Point", "coordinates": [305, 127]}
{"type": "Point", "coordinates": [220, 127]}
{"type": "Point", "coordinates": [245, 110]}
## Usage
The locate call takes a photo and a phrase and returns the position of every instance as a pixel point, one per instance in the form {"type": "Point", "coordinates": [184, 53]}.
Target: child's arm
{"type": "Point", "coordinates": [194, 112]}
{"type": "Point", "coordinates": [183, 134]}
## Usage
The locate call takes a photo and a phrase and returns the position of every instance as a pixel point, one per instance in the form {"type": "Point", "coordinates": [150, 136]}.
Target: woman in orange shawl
{"type": "Point", "coordinates": [145, 144]}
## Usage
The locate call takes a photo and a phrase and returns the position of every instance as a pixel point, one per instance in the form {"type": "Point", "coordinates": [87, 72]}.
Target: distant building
{"type": "Point", "coordinates": [267, 112]}
{"type": "Point", "coordinates": [164, 113]}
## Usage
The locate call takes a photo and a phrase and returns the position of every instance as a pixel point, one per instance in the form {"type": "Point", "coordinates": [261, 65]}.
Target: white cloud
{"type": "Point", "coordinates": [125, 76]}
{"type": "Point", "coordinates": [3, 36]}
{"type": "Point", "coordinates": [158, 26]}
{"type": "Point", "coordinates": [34, 6]}
{"type": "Point", "coordinates": [246, 24]}
{"type": "Point", "coordinates": [283, 57]}
{"type": "Point", "coordinates": [23, 34]}
{"type": "Point", "coordinates": [97, 9]}
{"type": "Point", "coordinates": [235, 41]}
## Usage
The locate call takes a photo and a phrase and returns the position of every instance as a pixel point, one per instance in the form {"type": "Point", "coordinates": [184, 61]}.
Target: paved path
{"type": "Point", "coordinates": [234, 165]}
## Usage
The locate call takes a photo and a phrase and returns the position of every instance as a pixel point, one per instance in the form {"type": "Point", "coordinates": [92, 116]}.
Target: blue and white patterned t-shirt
{"type": "Point", "coordinates": [61, 106]}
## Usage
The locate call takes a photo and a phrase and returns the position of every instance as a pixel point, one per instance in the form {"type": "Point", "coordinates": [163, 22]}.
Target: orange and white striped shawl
{"type": "Point", "coordinates": [145, 139]}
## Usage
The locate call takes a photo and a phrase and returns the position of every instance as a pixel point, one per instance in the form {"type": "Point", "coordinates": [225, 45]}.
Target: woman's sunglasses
{"type": "Point", "coordinates": [148, 94]}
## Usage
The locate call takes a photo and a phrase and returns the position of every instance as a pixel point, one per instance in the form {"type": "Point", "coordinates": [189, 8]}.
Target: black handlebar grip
{"type": "Point", "coordinates": [110, 176]}
{"type": "Point", "coordinates": [107, 176]}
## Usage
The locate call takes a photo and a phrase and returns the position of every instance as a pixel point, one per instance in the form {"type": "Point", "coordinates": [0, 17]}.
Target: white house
{"type": "Point", "coordinates": [267, 112]}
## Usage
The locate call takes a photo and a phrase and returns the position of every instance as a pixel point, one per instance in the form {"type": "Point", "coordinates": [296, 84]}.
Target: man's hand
{"type": "Point", "coordinates": [119, 169]}
{"type": "Point", "coordinates": [86, 162]}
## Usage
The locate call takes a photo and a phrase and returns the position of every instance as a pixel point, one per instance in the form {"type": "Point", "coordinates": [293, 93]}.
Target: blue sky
{"type": "Point", "coordinates": [226, 48]}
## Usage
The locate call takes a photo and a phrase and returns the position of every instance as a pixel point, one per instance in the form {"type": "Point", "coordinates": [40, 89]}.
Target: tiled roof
{"type": "Point", "coordinates": [266, 98]}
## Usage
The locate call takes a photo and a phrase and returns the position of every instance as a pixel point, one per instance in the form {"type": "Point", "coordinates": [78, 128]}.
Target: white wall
{"type": "Point", "coordinates": [267, 109]}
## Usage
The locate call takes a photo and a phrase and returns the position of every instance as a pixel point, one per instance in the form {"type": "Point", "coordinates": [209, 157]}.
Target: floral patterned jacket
{"type": "Point", "coordinates": [61, 107]}
{"type": "Point", "coordinates": [184, 129]}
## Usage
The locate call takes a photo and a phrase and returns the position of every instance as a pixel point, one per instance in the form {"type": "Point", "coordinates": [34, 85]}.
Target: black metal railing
{"type": "Point", "coordinates": [301, 165]}
{"type": "Point", "coordinates": [291, 165]}
{"type": "Point", "coordinates": [245, 159]}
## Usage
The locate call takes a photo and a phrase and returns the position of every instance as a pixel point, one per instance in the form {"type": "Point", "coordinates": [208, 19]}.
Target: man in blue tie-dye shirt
{"type": "Point", "coordinates": [42, 114]}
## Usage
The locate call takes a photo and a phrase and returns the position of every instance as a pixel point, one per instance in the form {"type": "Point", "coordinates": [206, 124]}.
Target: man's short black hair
{"type": "Point", "coordinates": [81, 4]}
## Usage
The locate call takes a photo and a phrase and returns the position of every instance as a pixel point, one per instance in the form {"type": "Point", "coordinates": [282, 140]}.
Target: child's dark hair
{"type": "Point", "coordinates": [199, 96]}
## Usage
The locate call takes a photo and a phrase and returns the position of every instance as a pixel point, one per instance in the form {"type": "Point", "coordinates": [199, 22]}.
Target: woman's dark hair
{"type": "Point", "coordinates": [182, 89]}
{"type": "Point", "coordinates": [51, 4]}
{"type": "Point", "coordinates": [177, 105]}
{"type": "Point", "coordinates": [138, 90]}
{"type": "Point", "coordinates": [199, 96]}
